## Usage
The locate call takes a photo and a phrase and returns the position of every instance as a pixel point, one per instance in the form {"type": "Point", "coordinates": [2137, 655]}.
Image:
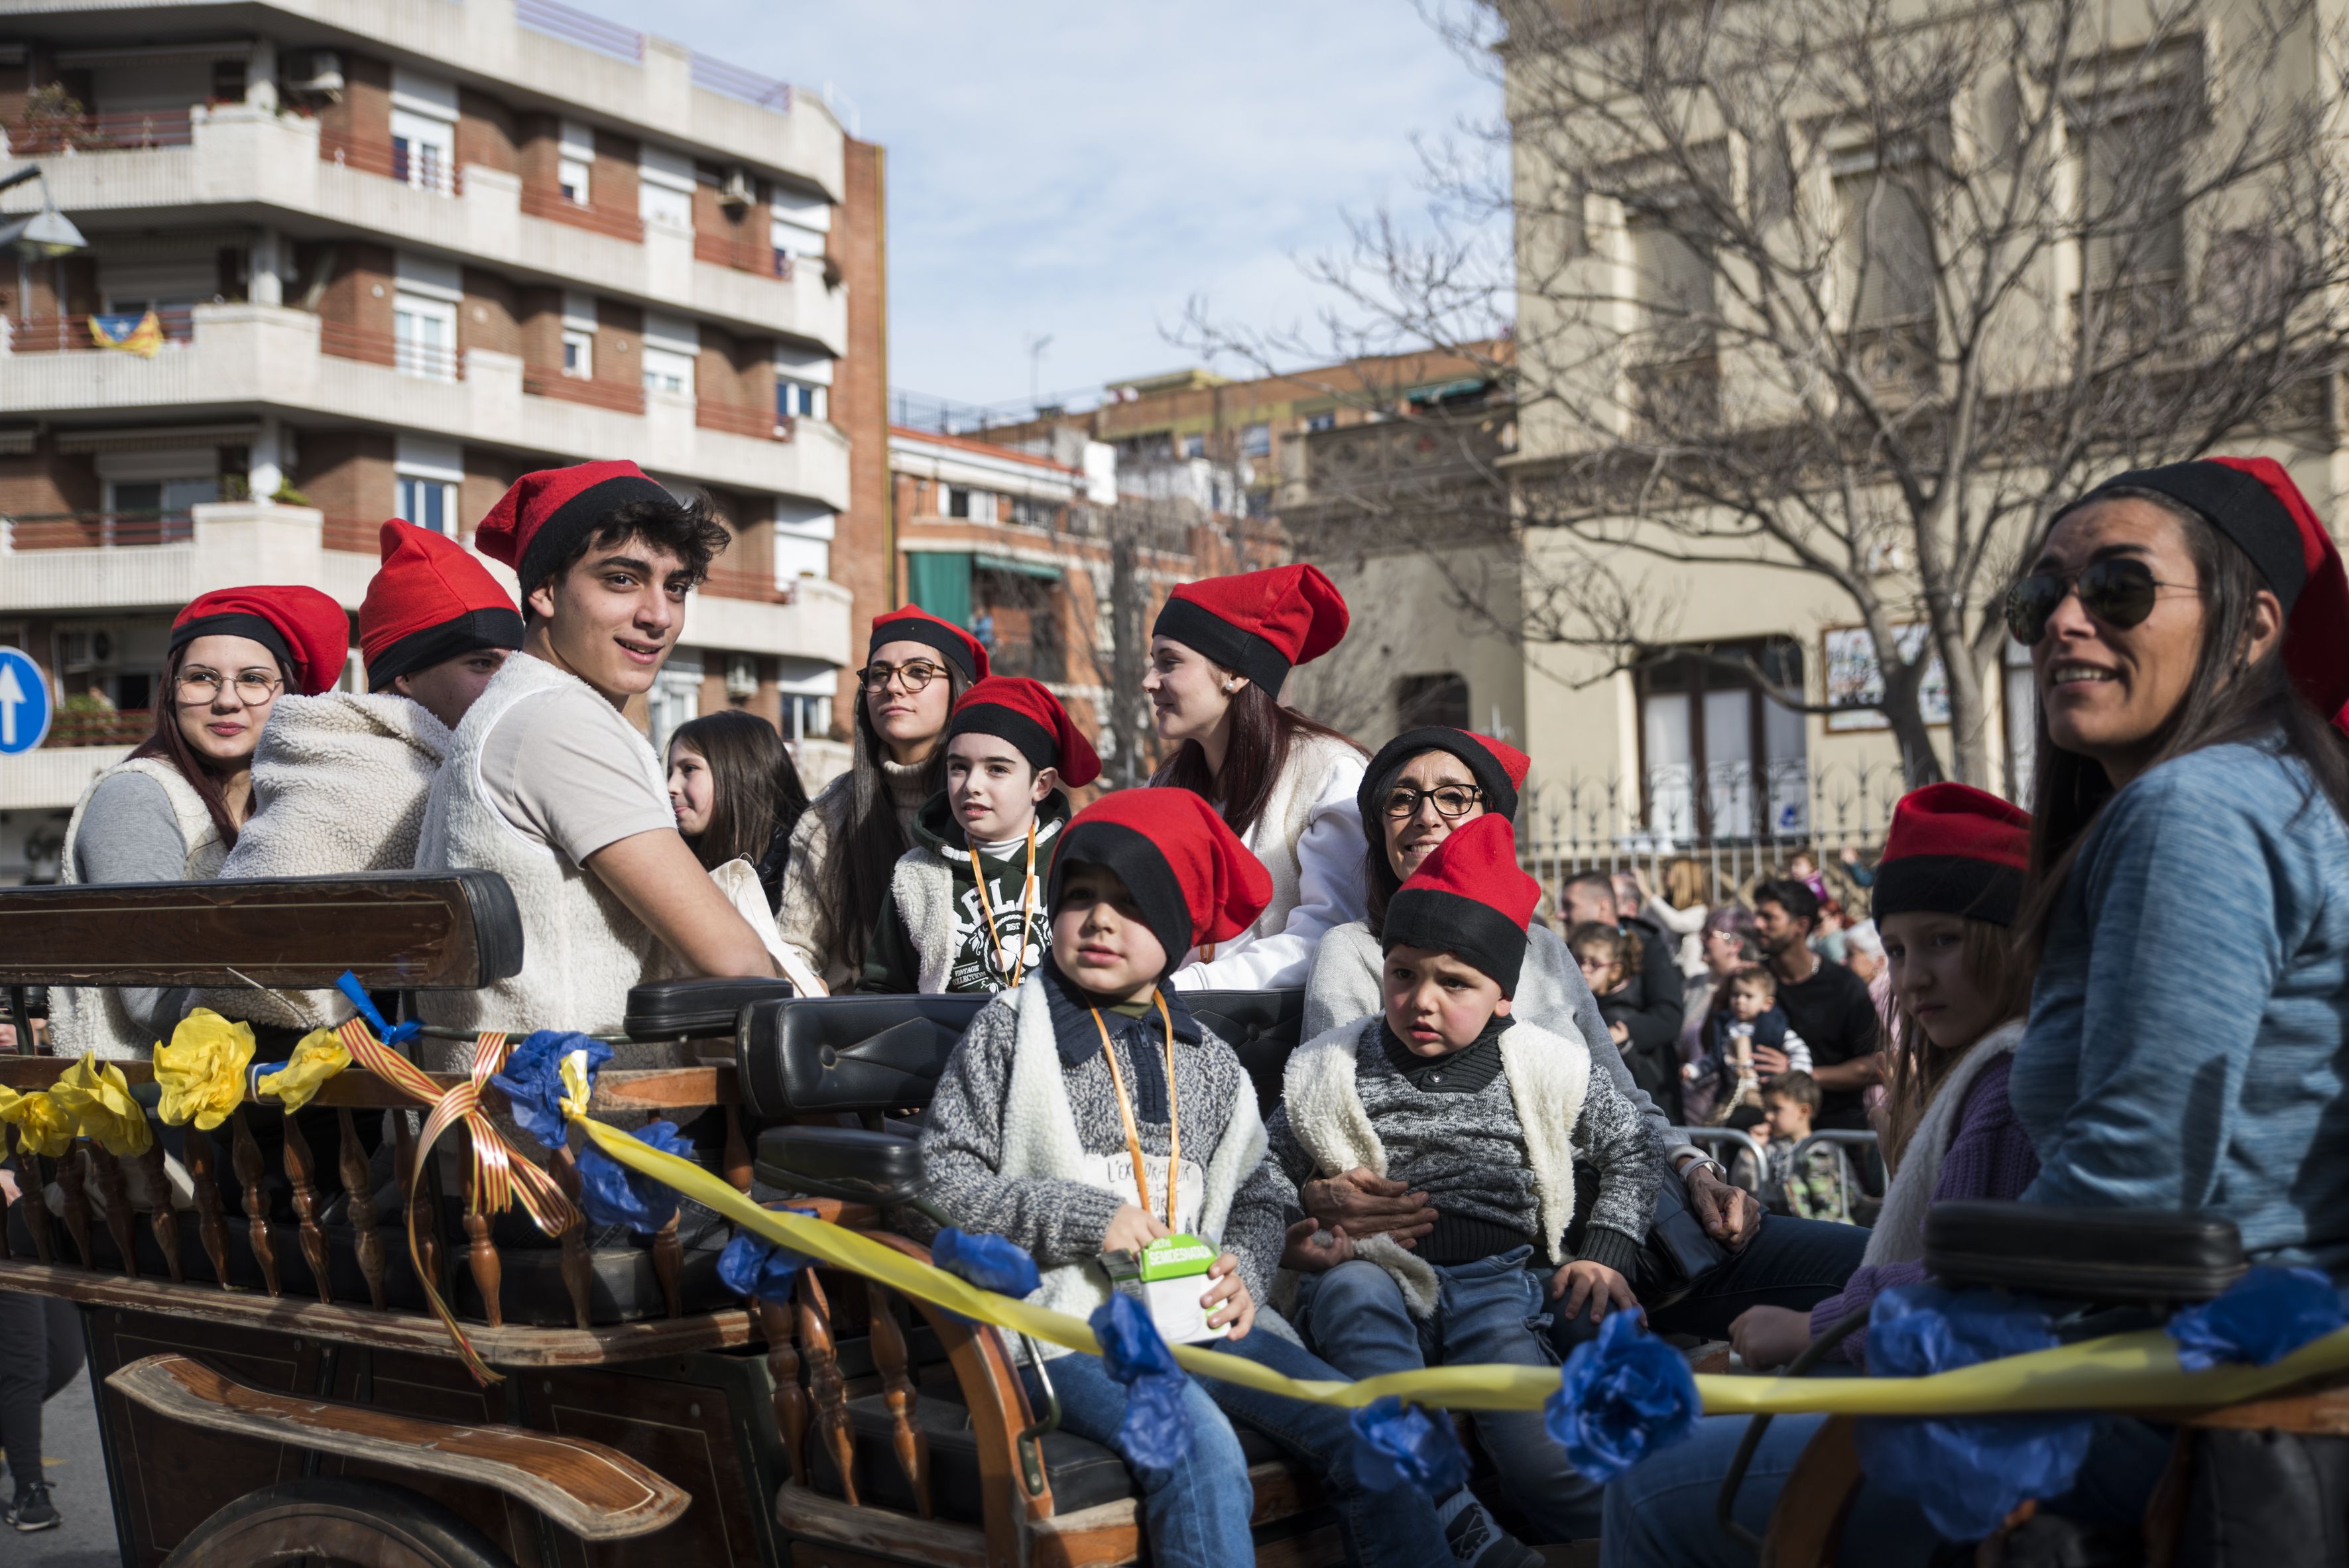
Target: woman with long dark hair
{"type": "Point", "coordinates": [737, 793]}
{"type": "Point", "coordinates": [848, 840]}
{"type": "Point", "coordinates": [1219, 653]}
{"type": "Point", "coordinates": [171, 811]}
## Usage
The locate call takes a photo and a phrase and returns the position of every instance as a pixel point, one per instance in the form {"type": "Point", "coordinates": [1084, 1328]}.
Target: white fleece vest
{"type": "Point", "coordinates": [582, 947]}
{"type": "Point", "coordinates": [923, 888]}
{"type": "Point", "coordinates": [1549, 1074]}
{"type": "Point", "coordinates": [1899, 1234]}
{"type": "Point", "coordinates": [1039, 1139]}
{"type": "Point", "coordinates": [340, 787]}
{"type": "Point", "coordinates": [86, 1019]}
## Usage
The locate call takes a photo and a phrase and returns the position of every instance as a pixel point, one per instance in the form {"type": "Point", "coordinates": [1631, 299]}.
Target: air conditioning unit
{"type": "Point", "coordinates": [82, 651]}
{"type": "Point", "coordinates": [742, 677]}
{"type": "Point", "coordinates": [737, 191]}
{"type": "Point", "coordinates": [316, 71]}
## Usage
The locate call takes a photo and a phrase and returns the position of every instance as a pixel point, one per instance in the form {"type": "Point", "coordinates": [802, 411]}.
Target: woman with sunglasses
{"type": "Point", "coordinates": [836, 880]}
{"type": "Point", "coordinates": [172, 810]}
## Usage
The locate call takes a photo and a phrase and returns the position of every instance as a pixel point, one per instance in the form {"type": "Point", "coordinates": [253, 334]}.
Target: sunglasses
{"type": "Point", "coordinates": [2120, 592]}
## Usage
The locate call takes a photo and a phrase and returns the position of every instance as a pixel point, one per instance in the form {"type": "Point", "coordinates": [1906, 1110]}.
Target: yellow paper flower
{"type": "Point", "coordinates": [99, 1099]}
{"type": "Point", "coordinates": [41, 1126]}
{"type": "Point", "coordinates": [318, 1058]}
{"type": "Point", "coordinates": [201, 1071]}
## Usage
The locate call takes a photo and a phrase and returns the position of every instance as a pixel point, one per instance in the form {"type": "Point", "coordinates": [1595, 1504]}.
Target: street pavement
{"type": "Point", "coordinates": [77, 1483]}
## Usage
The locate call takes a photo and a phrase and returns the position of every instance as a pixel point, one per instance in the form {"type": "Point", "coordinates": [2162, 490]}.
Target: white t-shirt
{"type": "Point", "coordinates": [566, 771]}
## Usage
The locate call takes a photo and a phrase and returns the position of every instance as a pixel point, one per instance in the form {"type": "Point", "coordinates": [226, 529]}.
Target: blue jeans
{"type": "Point", "coordinates": [1790, 1262]}
{"type": "Point", "coordinates": [1660, 1515]}
{"type": "Point", "coordinates": [1196, 1515]}
{"type": "Point", "coordinates": [1494, 1310]}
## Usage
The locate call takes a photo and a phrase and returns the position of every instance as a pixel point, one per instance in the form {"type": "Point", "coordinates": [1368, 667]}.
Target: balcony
{"type": "Point", "coordinates": [752, 256]}
{"type": "Point", "coordinates": [759, 424]}
{"type": "Point", "coordinates": [104, 726]}
{"type": "Point", "coordinates": [70, 136]}
{"type": "Point", "coordinates": [261, 357]}
{"type": "Point", "coordinates": [617, 396]}
{"type": "Point", "coordinates": [72, 334]}
{"type": "Point", "coordinates": [94, 530]}
{"type": "Point", "coordinates": [237, 165]}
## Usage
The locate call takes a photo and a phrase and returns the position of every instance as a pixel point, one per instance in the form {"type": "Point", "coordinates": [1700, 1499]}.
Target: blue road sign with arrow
{"type": "Point", "coordinates": [25, 705]}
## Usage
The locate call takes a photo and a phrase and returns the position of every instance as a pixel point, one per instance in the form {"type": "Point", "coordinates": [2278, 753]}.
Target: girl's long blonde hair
{"type": "Point", "coordinates": [1915, 1068]}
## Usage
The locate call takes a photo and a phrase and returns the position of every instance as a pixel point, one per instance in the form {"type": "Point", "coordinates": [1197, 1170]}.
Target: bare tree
{"type": "Point", "coordinates": [1858, 292]}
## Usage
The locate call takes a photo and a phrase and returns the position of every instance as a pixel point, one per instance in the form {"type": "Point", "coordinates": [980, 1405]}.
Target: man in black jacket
{"type": "Point", "coordinates": [1653, 1052]}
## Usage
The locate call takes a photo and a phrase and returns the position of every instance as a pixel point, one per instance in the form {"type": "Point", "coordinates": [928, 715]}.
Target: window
{"type": "Point", "coordinates": [576, 161]}
{"type": "Point", "coordinates": [2022, 721]}
{"type": "Point", "coordinates": [804, 533]}
{"type": "Point", "coordinates": [676, 696]}
{"type": "Point", "coordinates": [1255, 441]}
{"type": "Point", "coordinates": [424, 334]}
{"type": "Point", "coordinates": [978, 505]}
{"type": "Point", "coordinates": [424, 131]}
{"type": "Point", "coordinates": [2132, 196]}
{"type": "Point", "coordinates": [1195, 445]}
{"type": "Point", "coordinates": [1720, 759]}
{"type": "Point", "coordinates": [428, 504]}
{"type": "Point", "coordinates": [807, 718]}
{"type": "Point", "coordinates": [1432, 699]}
{"type": "Point", "coordinates": [578, 353]}
{"type": "Point", "coordinates": [1887, 247]}
{"type": "Point", "coordinates": [665, 188]}
{"type": "Point", "coordinates": [801, 399]}
{"type": "Point", "coordinates": [163, 498]}
{"type": "Point", "coordinates": [1325, 421]}
{"type": "Point", "coordinates": [797, 224]}
{"type": "Point", "coordinates": [572, 174]}
{"type": "Point", "coordinates": [672, 344]}
{"type": "Point", "coordinates": [1672, 282]}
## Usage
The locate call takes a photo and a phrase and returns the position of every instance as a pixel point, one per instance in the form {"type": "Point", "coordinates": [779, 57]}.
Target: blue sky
{"type": "Point", "coordinates": [1082, 170]}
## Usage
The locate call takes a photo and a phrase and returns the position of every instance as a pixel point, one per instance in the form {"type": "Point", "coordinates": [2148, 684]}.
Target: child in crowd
{"type": "Point", "coordinates": [1815, 1189]}
{"type": "Point", "coordinates": [1487, 1116]}
{"type": "Point", "coordinates": [966, 909]}
{"type": "Point", "coordinates": [737, 793]}
{"type": "Point", "coordinates": [1087, 1111]}
{"type": "Point", "coordinates": [1745, 1015]}
{"type": "Point", "coordinates": [1609, 958]}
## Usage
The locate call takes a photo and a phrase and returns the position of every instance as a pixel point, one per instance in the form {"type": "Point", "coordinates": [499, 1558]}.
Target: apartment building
{"type": "Point", "coordinates": [372, 258]}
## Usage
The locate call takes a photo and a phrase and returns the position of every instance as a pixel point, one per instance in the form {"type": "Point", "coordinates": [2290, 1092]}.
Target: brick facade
{"type": "Point", "coordinates": [863, 546]}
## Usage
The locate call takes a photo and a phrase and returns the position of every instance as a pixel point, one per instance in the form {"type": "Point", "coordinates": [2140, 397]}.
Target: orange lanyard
{"type": "Point", "coordinates": [987, 910]}
{"type": "Point", "coordinates": [1125, 1114]}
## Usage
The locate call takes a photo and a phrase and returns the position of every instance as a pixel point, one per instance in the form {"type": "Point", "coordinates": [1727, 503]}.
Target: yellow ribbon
{"type": "Point", "coordinates": [2122, 1372]}
{"type": "Point", "coordinates": [43, 1126]}
{"type": "Point", "coordinates": [318, 1058]}
{"type": "Point", "coordinates": [201, 1071]}
{"type": "Point", "coordinates": [97, 1099]}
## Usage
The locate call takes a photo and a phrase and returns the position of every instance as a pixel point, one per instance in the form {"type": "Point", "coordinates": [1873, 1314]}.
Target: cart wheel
{"type": "Point", "coordinates": [328, 1522]}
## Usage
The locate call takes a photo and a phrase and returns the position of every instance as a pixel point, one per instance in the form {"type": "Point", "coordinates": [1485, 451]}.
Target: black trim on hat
{"type": "Point", "coordinates": [1140, 865]}
{"type": "Point", "coordinates": [1948, 884]}
{"type": "Point", "coordinates": [1243, 653]}
{"type": "Point", "coordinates": [2249, 513]}
{"type": "Point", "coordinates": [578, 515]}
{"type": "Point", "coordinates": [1039, 745]}
{"type": "Point", "coordinates": [933, 634]}
{"type": "Point", "coordinates": [467, 634]}
{"type": "Point", "coordinates": [237, 623]}
{"type": "Point", "coordinates": [1474, 932]}
{"type": "Point", "coordinates": [1500, 795]}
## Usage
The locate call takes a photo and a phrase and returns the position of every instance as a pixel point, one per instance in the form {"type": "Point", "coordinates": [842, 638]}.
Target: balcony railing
{"type": "Point", "coordinates": [123, 130]}
{"type": "Point", "coordinates": [70, 334]}
{"type": "Point", "coordinates": [427, 361]}
{"type": "Point", "coordinates": [1035, 660]}
{"type": "Point", "coordinates": [579, 27]}
{"type": "Point", "coordinates": [550, 203]}
{"type": "Point", "coordinates": [730, 583]}
{"type": "Point", "coordinates": [109, 726]}
{"type": "Point", "coordinates": [737, 420]}
{"type": "Point", "coordinates": [719, 77]}
{"type": "Point", "coordinates": [617, 396]}
{"type": "Point", "coordinates": [742, 255]}
{"type": "Point", "coordinates": [422, 167]}
{"type": "Point", "coordinates": [95, 529]}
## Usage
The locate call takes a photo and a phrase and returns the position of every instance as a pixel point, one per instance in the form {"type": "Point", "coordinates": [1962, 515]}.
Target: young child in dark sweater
{"type": "Point", "coordinates": [1088, 1111]}
{"type": "Point", "coordinates": [1446, 1092]}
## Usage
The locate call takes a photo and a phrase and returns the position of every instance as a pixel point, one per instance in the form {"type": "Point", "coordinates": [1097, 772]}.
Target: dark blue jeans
{"type": "Point", "coordinates": [1790, 1262]}
{"type": "Point", "coordinates": [1196, 1515]}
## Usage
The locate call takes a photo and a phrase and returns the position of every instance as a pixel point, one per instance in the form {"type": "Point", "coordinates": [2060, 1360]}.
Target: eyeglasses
{"type": "Point", "coordinates": [2120, 592]}
{"type": "Point", "coordinates": [917, 674]}
{"type": "Point", "coordinates": [1453, 802]}
{"type": "Point", "coordinates": [202, 685]}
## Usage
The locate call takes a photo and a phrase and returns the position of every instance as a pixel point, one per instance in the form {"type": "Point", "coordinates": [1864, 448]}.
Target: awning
{"type": "Point", "coordinates": [1043, 569]}
{"type": "Point", "coordinates": [1451, 389]}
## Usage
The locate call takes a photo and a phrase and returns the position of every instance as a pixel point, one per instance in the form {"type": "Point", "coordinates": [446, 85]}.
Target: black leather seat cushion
{"type": "Point", "coordinates": [1083, 1473]}
{"type": "Point", "coordinates": [666, 1009]}
{"type": "Point", "coordinates": [2116, 1256]}
{"type": "Point", "coordinates": [844, 1162]}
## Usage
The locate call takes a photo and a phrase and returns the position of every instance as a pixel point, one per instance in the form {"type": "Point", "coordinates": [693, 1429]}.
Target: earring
{"type": "Point", "coordinates": [1231, 686]}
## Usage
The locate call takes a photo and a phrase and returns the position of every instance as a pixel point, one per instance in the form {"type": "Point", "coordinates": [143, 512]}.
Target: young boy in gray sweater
{"type": "Point", "coordinates": [1487, 1116]}
{"type": "Point", "coordinates": [1087, 1111]}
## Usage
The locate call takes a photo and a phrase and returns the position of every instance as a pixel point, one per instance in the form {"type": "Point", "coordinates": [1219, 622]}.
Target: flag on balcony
{"type": "Point", "coordinates": [140, 334]}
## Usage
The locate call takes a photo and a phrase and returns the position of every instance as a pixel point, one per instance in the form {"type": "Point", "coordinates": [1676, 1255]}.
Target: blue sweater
{"type": "Point", "coordinates": [2186, 1047]}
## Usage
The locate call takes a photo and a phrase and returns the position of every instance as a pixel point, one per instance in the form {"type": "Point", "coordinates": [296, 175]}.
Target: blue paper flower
{"type": "Point", "coordinates": [2261, 1318]}
{"type": "Point", "coordinates": [1395, 1442]}
{"type": "Point", "coordinates": [1967, 1473]}
{"type": "Point", "coordinates": [612, 1194]}
{"type": "Point", "coordinates": [754, 1267]}
{"type": "Point", "coordinates": [990, 1263]}
{"type": "Point", "coordinates": [1620, 1398]}
{"type": "Point", "coordinates": [532, 1082]}
{"type": "Point", "coordinates": [1156, 1432]}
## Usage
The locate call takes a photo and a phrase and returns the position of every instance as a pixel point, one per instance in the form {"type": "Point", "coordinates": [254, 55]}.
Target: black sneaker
{"type": "Point", "coordinates": [1476, 1541]}
{"type": "Point", "coordinates": [32, 1509]}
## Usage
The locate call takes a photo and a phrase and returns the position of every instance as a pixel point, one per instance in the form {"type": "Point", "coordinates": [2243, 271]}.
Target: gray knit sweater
{"type": "Point", "coordinates": [1467, 1150]}
{"type": "Point", "coordinates": [1063, 1222]}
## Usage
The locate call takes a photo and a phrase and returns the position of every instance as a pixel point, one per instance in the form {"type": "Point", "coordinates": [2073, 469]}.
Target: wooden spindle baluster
{"type": "Point", "coordinates": [211, 1226]}
{"type": "Point", "coordinates": [912, 1444]}
{"type": "Point", "coordinates": [779, 1324]}
{"type": "Point", "coordinates": [301, 1174]}
{"type": "Point", "coordinates": [77, 1204]}
{"type": "Point", "coordinates": [32, 1201]}
{"type": "Point", "coordinates": [246, 1154]}
{"type": "Point", "coordinates": [113, 1194]}
{"type": "Point", "coordinates": [738, 1152]}
{"type": "Point", "coordinates": [358, 1202]}
{"type": "Point", "coordinates": [669, 1263]}
{"type": "Point", "coordinates": [830, 1388]}
{"type": "Point", "coordinates": [481, 1252]}
{"type": "Point", "coordinates": [578, 1268]}
{"type": "Point", "coordinates": [163, 1221]}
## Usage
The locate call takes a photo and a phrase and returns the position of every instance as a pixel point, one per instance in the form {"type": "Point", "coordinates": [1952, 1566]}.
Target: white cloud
{"type": "Point", "coordinates": [1083, 170]}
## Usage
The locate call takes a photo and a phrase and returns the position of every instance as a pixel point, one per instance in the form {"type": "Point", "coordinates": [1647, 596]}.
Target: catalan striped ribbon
{"type": "Point", "coordinates": [499, 1176]}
